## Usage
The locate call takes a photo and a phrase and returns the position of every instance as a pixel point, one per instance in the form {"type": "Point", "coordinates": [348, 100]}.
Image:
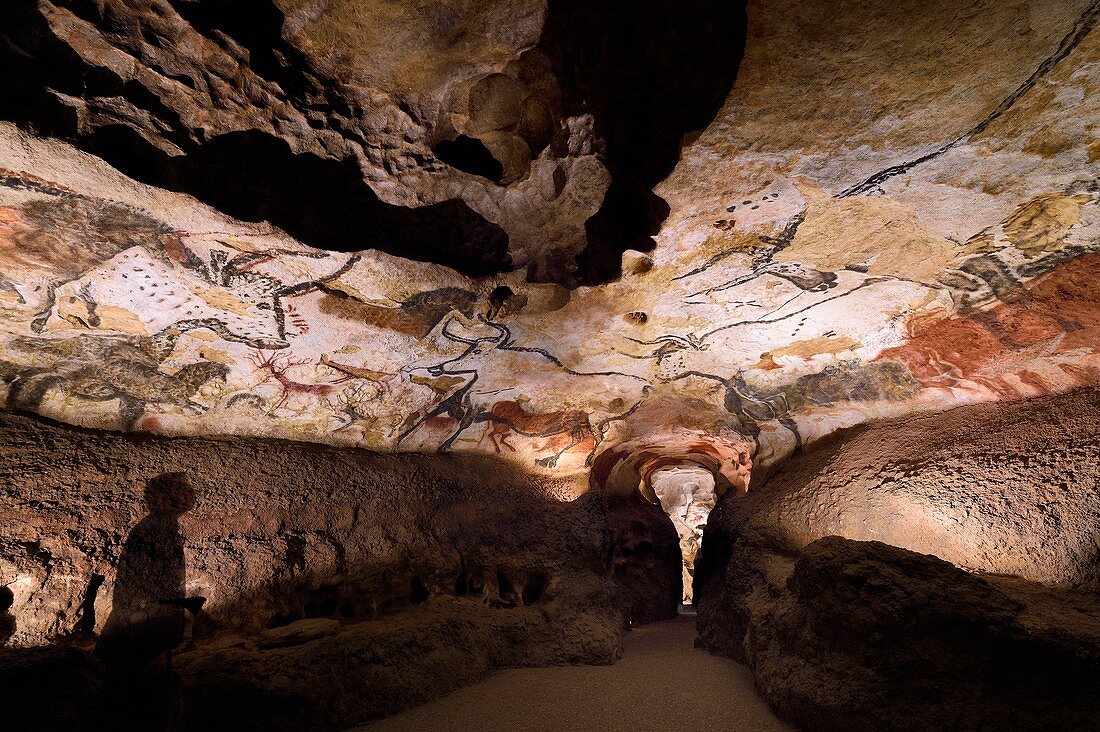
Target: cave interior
{"type": "Point", "coordinates": [549, 365]}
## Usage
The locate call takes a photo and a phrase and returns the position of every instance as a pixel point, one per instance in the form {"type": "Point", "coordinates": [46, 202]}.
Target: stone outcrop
{"type": "Point", "coordinates": [866, 636]}
{"type": "Point", "coordinates": [429, 573]}
{"type": "Point", "coordinates": [646, 559]}
{"type": "Point", "coordinates": [867, 630]}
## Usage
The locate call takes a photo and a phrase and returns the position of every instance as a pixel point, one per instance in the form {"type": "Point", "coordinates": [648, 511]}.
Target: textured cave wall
{"type": "Point", "coordinates": [785, 298]}
{"type": "Point", "coordinates": [480, 135]}
{"type": "Point", "coordinates": [466, 557]}
{"type": "Point", "coordinates": [867, 636]}
{"type": "Point", "coordinates": [645, 559]}
{"type": "Point", "coordinates": [1010, 492]}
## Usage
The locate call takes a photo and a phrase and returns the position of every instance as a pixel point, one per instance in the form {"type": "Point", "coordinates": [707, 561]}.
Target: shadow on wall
{"type": "Point", "coordinates": [7, 620]}
{"type": "Point", "coordinates": [147, 620]}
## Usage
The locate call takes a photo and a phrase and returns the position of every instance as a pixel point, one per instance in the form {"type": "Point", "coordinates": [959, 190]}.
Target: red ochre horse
{"type": "Point", "coordinates": [507, 417]}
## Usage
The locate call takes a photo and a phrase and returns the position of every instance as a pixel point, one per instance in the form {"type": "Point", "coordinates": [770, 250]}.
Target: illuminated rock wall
{"type": "Point", "coordinates": [851, 238]}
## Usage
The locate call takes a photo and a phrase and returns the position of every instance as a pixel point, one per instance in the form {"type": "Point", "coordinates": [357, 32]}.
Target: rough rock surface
{"type": "Point", "coordinates": [437, 570]}
{"type": "Point", "coordinates": [785, 299]}
{"type": "Point", "coordinates": [646, 559]}
{"type": "Point", "coordinates": [908, 236]}
{"type": "Point", "coordinates": [509, 111]}
{"type": "Point", "coordinates": [998, 489]}
{"type": "Point", "coordinates": [866, 636]}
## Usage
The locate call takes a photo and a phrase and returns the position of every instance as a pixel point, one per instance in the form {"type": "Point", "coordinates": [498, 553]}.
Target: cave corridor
{"type": "Point", "coordinates": [549, 365]}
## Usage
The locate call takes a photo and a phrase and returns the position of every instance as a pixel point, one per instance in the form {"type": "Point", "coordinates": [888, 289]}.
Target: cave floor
{"type": "Point", "coordinates": [662, 683]}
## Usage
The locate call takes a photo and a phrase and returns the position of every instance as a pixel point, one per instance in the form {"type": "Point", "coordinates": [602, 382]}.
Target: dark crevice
{"type": "Point", "coordinates": [649, 73]}
{"type": "Point", "coordinates": [85, 626]}
{"type": "Point", "coordinates": [535, 587]}
{"type": "Point", "coordinates": [7, 620]}
{"type": "Point", "coordinates": [254, 176]}
{"type": "Point", "coordinates": [257, 27]}
{"type": "Point", "coordinates": [418, 591]}
{"type": "Point", "coordinates": [470, 155]}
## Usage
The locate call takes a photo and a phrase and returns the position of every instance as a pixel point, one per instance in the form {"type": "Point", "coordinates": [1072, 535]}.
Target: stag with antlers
{"type": "Point", "coordinates": [276, 367]}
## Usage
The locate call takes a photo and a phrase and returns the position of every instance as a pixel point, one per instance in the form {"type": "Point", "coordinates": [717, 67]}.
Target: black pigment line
{"type": "Point", "coordinates": [1081, 28]}
{"type": "Point", "coordinates": [738, 324]}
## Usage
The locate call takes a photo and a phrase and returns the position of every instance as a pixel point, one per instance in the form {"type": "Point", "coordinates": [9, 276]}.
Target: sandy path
{"type": "Point", "coordinates": [661, 683]}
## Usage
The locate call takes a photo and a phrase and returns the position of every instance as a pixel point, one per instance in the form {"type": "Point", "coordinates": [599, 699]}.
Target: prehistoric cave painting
{"type": "Point", "coordinates": [751, 407]}
{"type": "Point", "coordinates": [274, 366]}
{"type": "Point", "coordinates": [762, 247]}
{"type": "Point", "coordinates": [1022, 348]}
{"type": "Point", "coordinates": [805, 278]}
{"type": "Point", "coordinates": [111, 252]}
{"type": "Point", "coordinates": [416, 316]}
{"type": "Point", "coordinates": [1032, 241]}
{"type": "Point", "coordinates": [464, 407]}
{"type": "Point", "coordinates": [765, 332]}
{"type": "Point", "coordinates": [103, 370]}
{"type": "Point", "coordinates": [852, 381]}
{"type": "Point", "coordinates": [1082, 26]}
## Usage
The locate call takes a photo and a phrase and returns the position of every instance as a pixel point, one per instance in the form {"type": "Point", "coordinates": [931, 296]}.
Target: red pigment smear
{"type": "Point", "coordinates": [1064, 301]}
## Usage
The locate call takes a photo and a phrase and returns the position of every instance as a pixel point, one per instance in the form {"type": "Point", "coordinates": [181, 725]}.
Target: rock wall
{"type": "Point", "coordinates": [843, 635]}
{"type": "Point", "coordinates": [850, 239]}
{"type": "Point", "coordinates": [866, 636]}
{"type": "Point", "coordinates": [646, 559]}
{"type": "Point", "coordinates": [398, 579]}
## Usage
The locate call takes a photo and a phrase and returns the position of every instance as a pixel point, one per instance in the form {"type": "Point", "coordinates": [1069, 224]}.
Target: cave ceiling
{"type": "Point", "coordinates": [408, 228]}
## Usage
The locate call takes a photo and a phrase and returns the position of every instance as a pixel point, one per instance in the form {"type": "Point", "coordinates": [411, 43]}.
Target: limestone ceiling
{"type": "Point", "coordinates": [893, 211]}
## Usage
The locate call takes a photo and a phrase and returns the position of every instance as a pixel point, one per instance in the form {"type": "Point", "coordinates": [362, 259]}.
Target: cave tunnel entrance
{"type": "Point", "coordinates": [687, 493]}
{"type": "Point", "coordinates": [658, 496]}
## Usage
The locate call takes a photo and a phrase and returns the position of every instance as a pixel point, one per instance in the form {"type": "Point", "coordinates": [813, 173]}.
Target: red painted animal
{"type": "Point", "coordinates": [506, 417]}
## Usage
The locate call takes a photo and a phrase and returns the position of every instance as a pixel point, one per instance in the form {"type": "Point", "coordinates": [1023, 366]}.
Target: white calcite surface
{"type": "Point", "coordinates": [687, 495]}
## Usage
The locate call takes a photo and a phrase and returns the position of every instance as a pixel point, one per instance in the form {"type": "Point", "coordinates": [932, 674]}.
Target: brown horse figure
{"type": "Point", "coordinates": [506, 417]}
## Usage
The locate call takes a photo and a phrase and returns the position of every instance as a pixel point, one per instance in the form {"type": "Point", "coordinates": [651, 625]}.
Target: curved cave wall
{"type": "Point", "coordinates": [437, 305]}
{"type": "Point", "coordinates": [271, 111]}
{"type": "Point", "coordinates": [316, 562]}
{"type": "Point", "coordinates": [835, 568]}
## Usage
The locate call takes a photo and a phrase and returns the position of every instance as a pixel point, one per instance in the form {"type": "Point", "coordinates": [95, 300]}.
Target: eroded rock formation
{"type": "Point", "coordinates": [484, 136]}
{"type": "Point", "coordinates": [922, 645]}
